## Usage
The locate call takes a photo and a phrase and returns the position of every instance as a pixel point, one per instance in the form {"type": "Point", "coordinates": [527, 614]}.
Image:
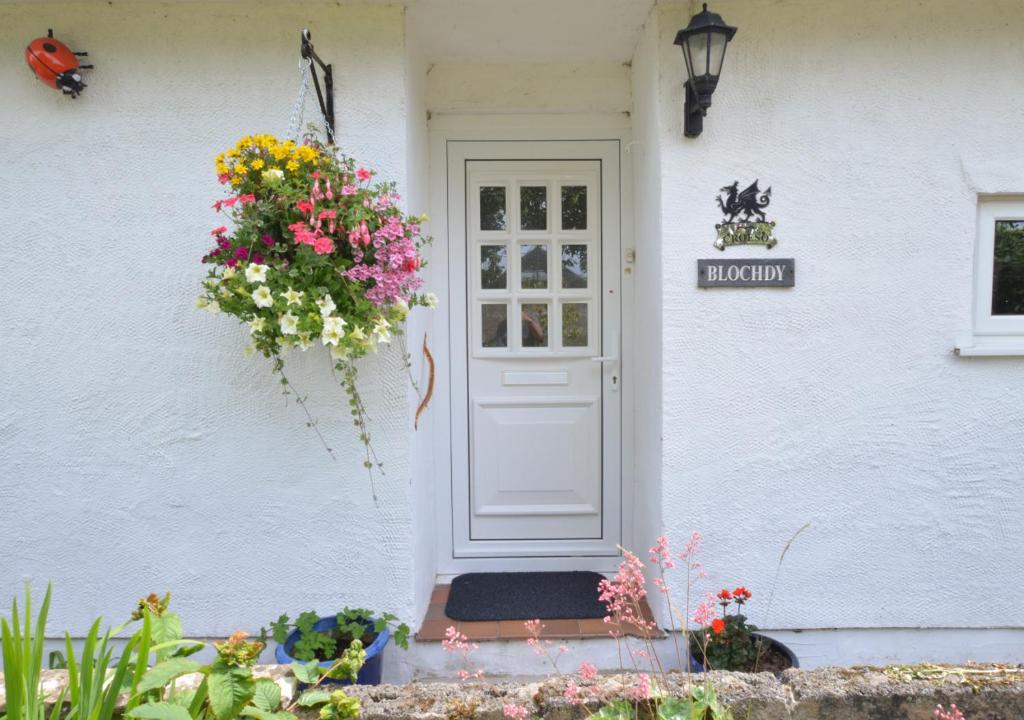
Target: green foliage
{"type": "Point", "coordinates": [702, 704]}
{"type": "Point", "coordinates": [159, 711]}
{"type": "Point", "coordinates": [266, 695]}
{"type": "Point", "coordinates": [351, 624]}
{"type": "Point", "coordinates": [22, 649]}
{"type": "Point", "coordinates": [735, 648]}
{"type": "Point", "coordinates": [164, 673]}
{"type": "Point", "coordinates": [340, 706]}
{"type": "Point", "coordinates": [231, 688]}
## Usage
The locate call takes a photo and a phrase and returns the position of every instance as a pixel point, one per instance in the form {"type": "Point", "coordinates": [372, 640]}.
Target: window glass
{"type": "Point", "coordinates": [493, 267]}
{"type": "Point", "coordinates": [1008, 268]}
{"type": "Point", "coordinates": [574, 207]}
{"type": "Point", "coordinates": [533, 208]}
{"type": "Point", "coordinates": [492, 208]}
{"type": "Point", "coordinates": [494, 325]}
{"type": "Point", "coordinates": [535, 324]}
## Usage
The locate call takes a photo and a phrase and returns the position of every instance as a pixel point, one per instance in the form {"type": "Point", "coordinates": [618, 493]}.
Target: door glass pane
{"type": "Point", "coordinates": [494, 325]}
{"type": "Point", "coordinates": [574, 325]}
{"type": "Point", "coordinates": [492, 208]}
{"type": "Point", "coordinates": [574, 266]}
{"type": "Point", "coordinates": [535, 324]}
{"type": "Point", "coordinates": [1008, 268]}
{"type": "Point", "coordinates": [493, 267]}
{"type": "Point", "coordinates": [574, 207]}
{"type": "Point", "coordinates": [533, 208]}
{"type": "Point", "coordinates": [533, 270]}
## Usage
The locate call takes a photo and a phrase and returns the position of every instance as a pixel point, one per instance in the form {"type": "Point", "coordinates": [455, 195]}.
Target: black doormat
{"type": "Point", "coordinates": [525, 596]}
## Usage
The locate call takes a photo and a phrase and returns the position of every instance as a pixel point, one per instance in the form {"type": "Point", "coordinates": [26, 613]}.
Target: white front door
{"type": "Point", "coordinates": [539, 265]}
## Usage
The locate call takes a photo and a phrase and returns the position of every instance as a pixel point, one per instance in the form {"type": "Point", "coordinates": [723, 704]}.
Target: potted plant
{"type": "Point", "coordinates": [325, 639]}
{"type": "Point", "coordinates": [731, 643]}
{"type": "Point", "coordinates": [313, 253]}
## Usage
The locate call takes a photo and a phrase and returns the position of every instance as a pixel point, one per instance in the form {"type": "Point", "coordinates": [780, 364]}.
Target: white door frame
{"type": "Point", "coordinates": [611, 133]}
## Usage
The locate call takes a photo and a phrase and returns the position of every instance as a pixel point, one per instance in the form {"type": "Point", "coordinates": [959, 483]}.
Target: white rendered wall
{"type": "Point", "coordinates": [646, 320]}
{"type": "Point", "coordinates": [840, 402]}
{"type": "Point", "coordinates": [140, 450]}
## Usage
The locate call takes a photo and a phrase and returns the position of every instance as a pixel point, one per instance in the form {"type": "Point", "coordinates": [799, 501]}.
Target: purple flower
{"type": "Point", "coordinates": [242, 253]}
{"type": "Point", "coordinates": [257, 258]}
{"type": "Point", "coordinates": [267, 240]}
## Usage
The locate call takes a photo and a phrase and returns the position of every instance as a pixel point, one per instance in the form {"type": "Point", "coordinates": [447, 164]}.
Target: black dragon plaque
{"type": "Point", "coordinates": [744, 221]}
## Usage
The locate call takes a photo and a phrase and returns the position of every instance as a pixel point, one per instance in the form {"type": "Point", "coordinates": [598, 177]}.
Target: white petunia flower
{"type": "Point", "coordinates": [305, 343]}
{"type": "Point", "coordinates": [257, 325]}
{"type": "Point", "coordinates": [357, 333]}
{"type": "Point", "coordinates": [326, 305]}
{"type": "Point", "coordinates": [262, 297]}
{"type": "Point", "coordinates": [340, 352]}
{"type": "Point", "coordinates": [256, 273]}
{"type": "Point", "coordinates": [293, 297]}
{"type": "Point", "coordinates": [289, 324]}
{"type": "Point", "coordinates": [430, 300]}
{"type": "Point", "coordinates": [334, 330]}
{"type": "Point", "coordinates": [403, 308]}
{"type": "Point", "coordinates": [382, 332]}
{"type": "Point", "coordinates": [213, 307]}
{"type": "Point", "coordinates": [228, 273]}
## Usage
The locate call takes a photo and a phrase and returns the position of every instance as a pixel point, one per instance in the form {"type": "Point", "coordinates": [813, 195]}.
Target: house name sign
{"type": "Point", "coordinates": [755, 272]}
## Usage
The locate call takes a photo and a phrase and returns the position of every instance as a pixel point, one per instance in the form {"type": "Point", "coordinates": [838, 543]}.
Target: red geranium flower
{"type": "Point", "coordinates": [741, 594]}
{"type": "Point", "coordinates": [724, 597]}
{"type": "Point", "coordinates": [718, 626]}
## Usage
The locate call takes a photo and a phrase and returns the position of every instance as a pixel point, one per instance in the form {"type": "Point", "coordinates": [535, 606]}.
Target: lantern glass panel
{"type": "Point", "coordinates": [717, 55]}
{"type": "Point", "coordinates": [697, 46]}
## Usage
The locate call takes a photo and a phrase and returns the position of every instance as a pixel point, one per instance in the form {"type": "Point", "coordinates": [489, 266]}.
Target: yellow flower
{"type": "Point", "coordinates": [236, 181]}
{"type": "Point", "coordinates": [256, 164]}
{"type": "Point", "coordinates": [279, 152]}
{"type": "Point", "coordinates": [292, 165]}
{"type": "Point", "coordinates": [241, 169]}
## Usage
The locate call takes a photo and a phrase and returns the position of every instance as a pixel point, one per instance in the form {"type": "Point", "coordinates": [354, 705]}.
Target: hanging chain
{"type": "Point", "coordinates": [295, 121]}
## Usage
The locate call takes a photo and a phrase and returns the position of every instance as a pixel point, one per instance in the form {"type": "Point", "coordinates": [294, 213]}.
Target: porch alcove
{"type": "Point", "coordinates": [594, 83]}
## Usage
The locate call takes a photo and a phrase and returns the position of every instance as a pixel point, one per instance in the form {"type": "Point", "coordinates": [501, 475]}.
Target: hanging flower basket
{"type": "Point", "coordinates": [318, 255]}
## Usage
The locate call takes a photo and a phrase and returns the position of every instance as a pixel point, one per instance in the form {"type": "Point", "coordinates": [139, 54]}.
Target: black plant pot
{"type": "Point", "coordinates": [776, 645]}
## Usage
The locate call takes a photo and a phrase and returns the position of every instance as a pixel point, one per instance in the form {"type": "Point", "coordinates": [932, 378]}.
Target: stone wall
{"type": "Point", "coordinates": [983, 692]}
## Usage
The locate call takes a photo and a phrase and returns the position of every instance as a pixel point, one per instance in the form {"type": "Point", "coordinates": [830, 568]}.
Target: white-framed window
{"type": "Point", "coordinates": [998, 317]}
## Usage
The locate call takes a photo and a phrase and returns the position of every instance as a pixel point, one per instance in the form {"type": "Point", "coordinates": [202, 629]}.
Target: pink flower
{"type": "Point", "coordinates": [250, 198]}
{"type": "Point", "coordinates": [516, 712]}
{"type": "Point", "coordinates": [952, 714]}
{"type": "Point", "coordinates": [218, 231]}
{"type": "Point", "coordinates": [706, 611]}
{"type": "Point", "coordinates": [363, 174]}
{"type": "Point", "coordinates": [642, 689]}
{"type": "Point", "coordinates": [588, 671]}
{"type": "Point", "coordinates": [304, 206]}
{"type": "Point", "coordinates": [623, 595]}
{"type": "Point", "coordinates": [349, 189]}
{"type": "Point", "coordinates": [660, 554]}
{"type": "Point", "coordinates": [573, 693]}
{"type": "Point", "coordinates": [267, 240]}
{"type": "Point", "coordinates": [323, 245]}
{"type": "Point", "coordinates": [224, 178]}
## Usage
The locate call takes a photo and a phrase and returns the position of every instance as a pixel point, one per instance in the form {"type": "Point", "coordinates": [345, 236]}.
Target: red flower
{"type": "Point", "coordinates": [741, 594]}
{"type": "Point", "coordinates": [304, 206]}
{"type": "Point", "coordinates": [718, 626]}
{"type": "Point", "coordinates": [218, 231]}
{"type": "Point", "coordinates": [725, 596]}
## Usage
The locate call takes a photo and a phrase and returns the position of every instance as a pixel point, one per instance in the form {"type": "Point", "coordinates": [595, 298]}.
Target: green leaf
{"type": "Point", "coordinates": [255, 712]}
{"type": "Point", "coordinates": [308, 673]}
{"type": "Point", "coordinates": [163, 673]}
{"type": "Point", "coordinates": [675, 709]}
{"type": "Point", "coordinates": [159, 711]}
{"type": "Point", "coordinates": [231, 688]}
{"type": "Point", "coordinates": [279, 628]}
{"type": "Point", "coordinates": [267, 695]}
{"type": "Point", "coordinates": [314, 697]}
{"type": "Point", "coordinates": [618, 710]}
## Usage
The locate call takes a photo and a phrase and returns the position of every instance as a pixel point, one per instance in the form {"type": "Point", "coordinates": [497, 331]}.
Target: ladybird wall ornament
{"type": "Point", "coordinates": [56, 65]}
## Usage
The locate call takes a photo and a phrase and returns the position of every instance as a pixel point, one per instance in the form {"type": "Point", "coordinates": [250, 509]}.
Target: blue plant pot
{"type": "Point", "coordinates": [368, 675]}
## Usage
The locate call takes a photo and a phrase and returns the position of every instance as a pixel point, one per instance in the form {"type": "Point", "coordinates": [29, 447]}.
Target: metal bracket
{"type": "Point", "coordinates": [326, 105]}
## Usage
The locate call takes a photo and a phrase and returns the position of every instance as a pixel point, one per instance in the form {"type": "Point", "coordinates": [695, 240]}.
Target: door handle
{"type": "Point", "coordinates": [611, 359]}
{"type": "Point", "coordinates": [605, 358]}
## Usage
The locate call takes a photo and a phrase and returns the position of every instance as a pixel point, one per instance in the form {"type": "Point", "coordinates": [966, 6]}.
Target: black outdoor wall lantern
{"type": "Point", "coordinates": [703, 42]}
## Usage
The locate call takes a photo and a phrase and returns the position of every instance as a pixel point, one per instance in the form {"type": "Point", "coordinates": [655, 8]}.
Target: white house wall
{"type": "Point", "coordinates": [840, 403]}
{"type": "Point", "coordinates": [141, 451]}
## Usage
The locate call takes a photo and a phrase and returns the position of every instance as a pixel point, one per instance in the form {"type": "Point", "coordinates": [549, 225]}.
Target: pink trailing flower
{"type": "Point", "coordinates": [217, 232]}
{"type": "Point", "coordinates": [952, 714]}
{"type": "Point", "coordinates": [588, 671]}
{"type": "Point", "coordinates": [250, 198]}
{"type": "Point", "coordinates": [573, 693]}
{"type": "Point", "coordinates": [363, 174]}
{"type": "Point", "coordinates": [516, 712]}
{"type": "Point", "coordinates": [349, 189]}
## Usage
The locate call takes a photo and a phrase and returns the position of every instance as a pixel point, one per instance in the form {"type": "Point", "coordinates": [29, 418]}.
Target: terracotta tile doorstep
{"type": "Point", "coordinates": [512, 630]}
{"type": "Point", "coordinates": [560, 628]}
{"type": "Point", "coordinates": [433, 629]}
{"type": "Point", "coordinates": [440, 594]}
{"type": "Point", "coordinates": [435, 611]}
{"type": "Point", "coordinates": [595, 627]}
{"type": "Point", "coordinates": [479, 630]}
